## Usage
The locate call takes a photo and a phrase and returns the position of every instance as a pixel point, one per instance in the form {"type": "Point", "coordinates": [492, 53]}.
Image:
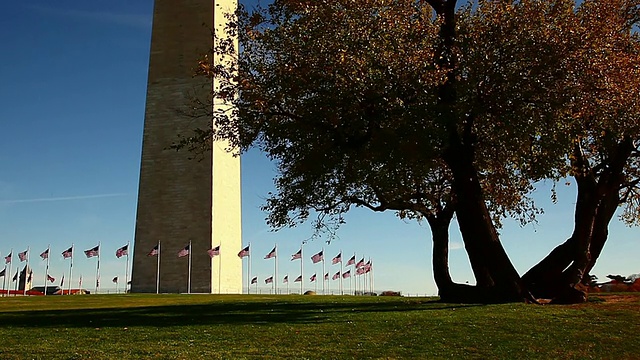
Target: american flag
{"type": "Point", "coordinates": [3, 272]}
{"type": "Point", "coordinates": [271, 254]}
{"type": "Point", "coordinates": [153, 251]}
{"type": "Point", "coordinates": [313, 278]}
{"type": "Point", "coordinates": [360, 271]}
{"type": "Point", "coordinates": [298, 279]}
{"type": "Point", "coordinates": [185, 251]}
{"type": "Point", "coordinates": [254, 280]}
{"type": "Point", "coordinates": [336, 276]}
{"type": "Point", "coordinates": [337, 259]}
{"type": "Point", "coordinates": [115, 280]}
{"type": "Point", "coordinates": [326, 276]}
{"type": "Point", "coordinates": [317, 258]}
{"type": "Point", "coordinates": [244, 252]}
{"type": "Point", "coordinates": [214, 251]}
{"type": "Point", "coordinates": [15, 277]}
{"type": "Point", "coordinates": [30, 276]}
{"type": "Point", "coordinates": [268, 280]}
{"type": "Point", "coordinates": [351, 261]}
{"type": "Point", "coordinates": [346, 274]}
{"type": "Point", "coordinates": [50, 278]}
{"type": "Point", "coordinates": [67, 253]}
{"type": "Point", "coordinates": [23, 255]}
{"type": "Point", "coordinates": [92, 252]}
{"type": "Point", "coordinates": [360, 263]}
{"type": "Point", "coordinates": [62, 280]}
{"type": "Point", "coordinates": [122, 251]}
{"type": "Point", "coordinates": [7, 259]}
{"type": "Point", "coordinates": [297, 255]}
{"type": "Point", "coordinates": [286, 279]}
{"type": "Point", "coordinates": [45, 254]}
{"type": "Point", "coordinates": [367, 266]}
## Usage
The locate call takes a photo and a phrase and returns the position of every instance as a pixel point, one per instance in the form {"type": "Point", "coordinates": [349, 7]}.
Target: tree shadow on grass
{"type": "Point", "coordinates": [214, 313]}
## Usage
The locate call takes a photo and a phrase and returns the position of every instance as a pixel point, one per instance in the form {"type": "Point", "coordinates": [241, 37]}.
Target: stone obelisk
{"type": "Point", "coordinates": [182, 200]}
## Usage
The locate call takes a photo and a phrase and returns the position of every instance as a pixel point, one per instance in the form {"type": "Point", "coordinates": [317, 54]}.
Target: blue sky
{"type": "Point", "coordinates": [72, 96]}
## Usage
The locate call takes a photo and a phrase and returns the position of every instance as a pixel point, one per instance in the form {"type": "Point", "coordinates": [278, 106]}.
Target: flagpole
{"type": "Point", "coordinates": [220, 271]}
{"type": "Point", "coordinates": [249, 270]}
{"type": "Point", "coordinates": [10, 266]}
{"type": "Point", "coordinates": [126, 271]}
{"type": "Point", "coordinates": [341, 289]}
{"type": "Point", "coordinates": [301, 268]}
{"type": "Point", "coordinates": [46, 275]}
{"type": "Point", "coordinates": [287, 284]}
{"type": "Point", "coordinates": [248, 276]}
{"type": "Point", "coordinates": [71, 269]}
{"type": "Point", "coordinates": [158, 271]}
{"type": "Point", "coordinates": [98, 270]}
{"type": "Point", "coordinates": [26, 273]}
{"type": "Point", "coordinates": [4, 277]}
{"type": "Point", "coordinates": [372, 277]}
{"type": "Point", "coordinates": [10, 271]}
{"type": "Point", "coordinates": [189, 276]}
{"type": "Point", "coordinates": [275, 265]}
{"type": "Point", "coordinates": [369, 275]}
{"type": "Point", "coordinates": [323, 271]}
{"type": "Point", "coordinates": [353, 266]}
{"type": "Point", "coordinates": [6, 283]}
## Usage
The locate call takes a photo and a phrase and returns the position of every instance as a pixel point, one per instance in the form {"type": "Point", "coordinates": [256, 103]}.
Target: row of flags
{"type": "Point", "coordinates": [124, 250]}
{"type": "Point", "coordinates": [95, 251]}
{"type": "Point", "coordinates": [360, 267]}
{"type": "Point", "coordinates": [316, 258]}
{"type": "Point", "coordinates": [272, 254]}
{"type": "Point", "coordinates": [215, 251]}
{"type": "Point", "coordinates": [68, 254]}
{"type": "Point", "coordinates": [336, 276]}
{"type": "Point", "coordinates": [49, 277]}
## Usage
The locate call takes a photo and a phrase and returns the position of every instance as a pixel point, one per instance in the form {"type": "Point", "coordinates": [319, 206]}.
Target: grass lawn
{"type": "Point", "coordinates": [313, 327]}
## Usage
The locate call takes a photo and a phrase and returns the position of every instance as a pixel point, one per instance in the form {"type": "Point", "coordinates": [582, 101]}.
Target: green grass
{"type": "Point", "coordinates": [299, 327]}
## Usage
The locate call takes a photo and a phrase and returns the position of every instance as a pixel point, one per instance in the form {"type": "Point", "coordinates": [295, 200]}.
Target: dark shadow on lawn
{"type": "Point", "coordinates": [215, 313]}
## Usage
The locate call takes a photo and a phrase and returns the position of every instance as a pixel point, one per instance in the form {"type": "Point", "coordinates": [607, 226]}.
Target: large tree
{"type": "Point", "coordinates": [411, 106]}
{"type": "Point", "coordinates": [604, 157]}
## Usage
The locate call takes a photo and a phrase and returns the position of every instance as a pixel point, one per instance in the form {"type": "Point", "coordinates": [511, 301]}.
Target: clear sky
{"type": "Point", "coordinates": [72, 96]}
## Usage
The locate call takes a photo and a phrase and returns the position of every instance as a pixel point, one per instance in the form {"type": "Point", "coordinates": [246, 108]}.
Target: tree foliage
{"type": "Point", "coordinates": [426, 108]}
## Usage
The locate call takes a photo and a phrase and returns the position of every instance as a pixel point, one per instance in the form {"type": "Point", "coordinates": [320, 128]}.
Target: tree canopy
{"type": "Point", "coordinates": [426, 108]}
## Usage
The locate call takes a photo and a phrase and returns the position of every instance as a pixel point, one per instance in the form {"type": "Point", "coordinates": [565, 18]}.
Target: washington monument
{"type": "Point", "coordinates": [183, 201]}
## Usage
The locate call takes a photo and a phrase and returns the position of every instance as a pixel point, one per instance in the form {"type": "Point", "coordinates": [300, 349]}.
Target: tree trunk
{"type": "Point", "coordinates": [600, 234]}
{"type": "Point", "coordinates": [448, 291]}
{"type": "Point", "coordinates": [563, 275]}
{"type": "Point", "coordinates": [439, 224]}
{"type": "Point", "coordinates": [490, 262]}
